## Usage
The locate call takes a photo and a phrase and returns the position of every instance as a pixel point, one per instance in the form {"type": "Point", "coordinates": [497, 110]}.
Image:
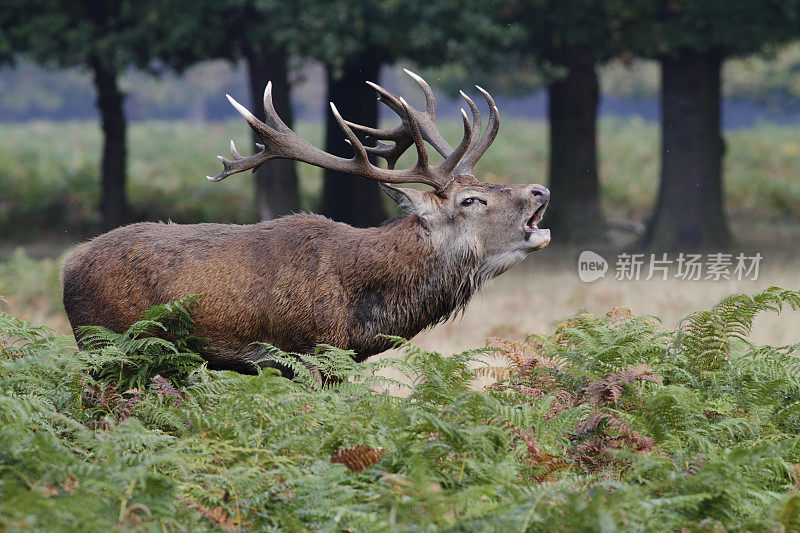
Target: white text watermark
{"type": "Point", "coordinates": [683, 266]}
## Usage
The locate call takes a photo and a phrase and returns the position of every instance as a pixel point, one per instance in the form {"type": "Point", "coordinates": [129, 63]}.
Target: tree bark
{"type": "Point", "coordinates": [346, 198]}
{"type": "Point", "coordinates": [689, 213]}
{"type": "Point", "coordinates": [575, 213]}
{"type": "Point", "coordinates": [275, 180]}
{"type": "Point", "coordinates": [110, 99]}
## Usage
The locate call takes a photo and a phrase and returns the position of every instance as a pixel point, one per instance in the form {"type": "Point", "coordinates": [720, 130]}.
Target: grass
{"type": "Point", "coordinates": [54, 183]}
{"type": "Point", "coordinates": [48, 171]}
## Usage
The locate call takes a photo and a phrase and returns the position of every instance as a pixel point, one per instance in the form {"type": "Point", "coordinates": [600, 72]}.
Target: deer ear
{"type": "Point", "coordinates": [411, 201]}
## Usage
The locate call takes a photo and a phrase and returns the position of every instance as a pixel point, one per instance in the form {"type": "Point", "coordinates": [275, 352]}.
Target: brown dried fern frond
{"type": "Point", "coordinates": [608, 391]}
{"type": "Point", "coordinates": [619, 316]}
{"type": "Point", "coordinates": [642, 372]}
{"type": "Point", "coordinates": [603, 392]}
{"type": "Point", "coordinates": [358, 458]}
{"type": "Point", "coordinates": [218, 516]}
{"type": "Point", "coordinates": [522, 356]}
{"type": "Point", "coordinates": [165, 389]}
{"type": "Point", "coordinates": [603, 434]}
{"type": "Point", "coordinates": [618, 429]}
{"type": "Point", "coordinates": [516, 353]}
{"type": "Point", "coordinates": [536, 456]}
{"type": "Point", "coordinates": [495, 372]}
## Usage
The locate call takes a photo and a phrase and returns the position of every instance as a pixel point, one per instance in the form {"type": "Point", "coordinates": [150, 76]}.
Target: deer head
{"type": "Point", "coordinates": [497, 222]}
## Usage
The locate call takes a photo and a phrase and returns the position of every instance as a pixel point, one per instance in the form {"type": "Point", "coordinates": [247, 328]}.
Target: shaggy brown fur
{"type": "Point", "coordinates": [304, 280]}
{"type": "Point", "coordinates": [331, 282]}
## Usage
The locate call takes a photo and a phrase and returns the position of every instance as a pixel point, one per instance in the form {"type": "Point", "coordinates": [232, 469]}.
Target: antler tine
{"type": "Point", "coordinates": [390, 100]}
{"type": "Point", "coordinates": [466, 165]}
{"type": "Point", "coordinates": [430, 99]}
{"type": "Point", "coordinates": [257, 125]}
{"type": "Point", "coordinates": [386, 135]}
{"type": "Point", "coordinates": [390, 152]}
{"type": "Point", "coordinates": [450, 162]}
{"type": "Point", "coordinates": [419, 143]}
{"type": "Point", "coordinates": [426, 120]}
{"type": "Point", "coordinates": [270, 114]}
{"type": "Point", "coordinates": [239, 163]}
{"type": "Point", "coordinates": [494, 117]}
{"type": "Point", "coordinates": [476, 120]}
{"type": "Point", "coordinates": [361, 153]}
{"type": "Point", "coordinates": [234, 152]}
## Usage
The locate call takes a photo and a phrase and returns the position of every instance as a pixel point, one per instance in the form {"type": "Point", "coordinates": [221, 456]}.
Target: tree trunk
{"type": "Point", "coordinates": [575, 214]}
{"type": "Point", "coordinates": [346, 198]}
{"type": "Point", "coordinates": [113, 199]}
{"type": "Point", "coordinates": [275, 180]}
{"type": "Point", "coordinates": [689, 213]}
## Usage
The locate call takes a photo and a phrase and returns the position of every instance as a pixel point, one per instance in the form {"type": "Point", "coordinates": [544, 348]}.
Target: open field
{"type": "Point", "coordinates": [48, 172]}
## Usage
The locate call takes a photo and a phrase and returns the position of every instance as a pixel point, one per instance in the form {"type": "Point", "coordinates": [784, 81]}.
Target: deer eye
{"type": "Point", "coordinates": [470, 201]}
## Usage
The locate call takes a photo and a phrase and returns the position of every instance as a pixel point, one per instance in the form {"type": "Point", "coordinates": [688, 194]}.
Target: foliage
{"type": "Point", "coordinates": [133, 357]}
{"type": "Point", "coordinates": [338, 32]}
{"type": "Point", "coordinates": [612, 422]}
{"type": "Point", "coordinates": [200, 30]}
{"type": "Point", "coordinates": [65, 34]}
{"type": "Point", "coordinates": [729, 29]}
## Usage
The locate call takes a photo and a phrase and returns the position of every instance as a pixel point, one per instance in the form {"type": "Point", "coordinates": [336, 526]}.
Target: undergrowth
{"type": "Point", "coordinates": [611, 423]}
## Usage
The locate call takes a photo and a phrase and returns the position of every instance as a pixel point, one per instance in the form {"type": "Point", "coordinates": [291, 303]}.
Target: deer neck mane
{"type": "Point", "coordinates": [411, 279]}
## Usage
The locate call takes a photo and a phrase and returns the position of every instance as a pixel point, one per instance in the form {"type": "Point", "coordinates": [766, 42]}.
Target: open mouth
{"type": "Point", "coordinates": [533, 223]}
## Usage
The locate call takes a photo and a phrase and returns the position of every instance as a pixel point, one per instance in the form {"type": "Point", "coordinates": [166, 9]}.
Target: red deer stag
{"type": "Point", "coordinates": [304, 280]}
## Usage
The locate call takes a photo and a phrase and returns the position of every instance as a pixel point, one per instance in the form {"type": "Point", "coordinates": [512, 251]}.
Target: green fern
{"type": "Point", "coordinates": [707, 339]}
{"type": "Point", "coordinates": [134, 357]}
{"type": "Point", "coordinates": [605, 425]}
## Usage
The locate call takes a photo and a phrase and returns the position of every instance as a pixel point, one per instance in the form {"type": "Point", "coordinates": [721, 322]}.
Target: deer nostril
{"type": "Point", "coordinates": [541, 194]}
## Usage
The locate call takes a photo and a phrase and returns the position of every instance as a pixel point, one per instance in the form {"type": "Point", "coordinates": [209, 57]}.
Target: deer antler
{"type": "Point", "coordinates": [279, 141]}
{"type": "Point", "coordinates": [403, 138]}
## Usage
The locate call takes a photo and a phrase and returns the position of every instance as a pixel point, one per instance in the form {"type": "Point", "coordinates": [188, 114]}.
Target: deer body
{"type": "Point", "coordinates": [333, 283]}
{"type": "Point", "coordinates": [304, 280]}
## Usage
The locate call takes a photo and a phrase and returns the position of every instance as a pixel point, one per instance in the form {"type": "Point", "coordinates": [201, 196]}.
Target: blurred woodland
{"type": "Point", "coordinates": [676, 62]}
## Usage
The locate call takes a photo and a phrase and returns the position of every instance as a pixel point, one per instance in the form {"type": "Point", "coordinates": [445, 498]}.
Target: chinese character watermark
{"type": "Point", "coordinates": [689, 267]}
